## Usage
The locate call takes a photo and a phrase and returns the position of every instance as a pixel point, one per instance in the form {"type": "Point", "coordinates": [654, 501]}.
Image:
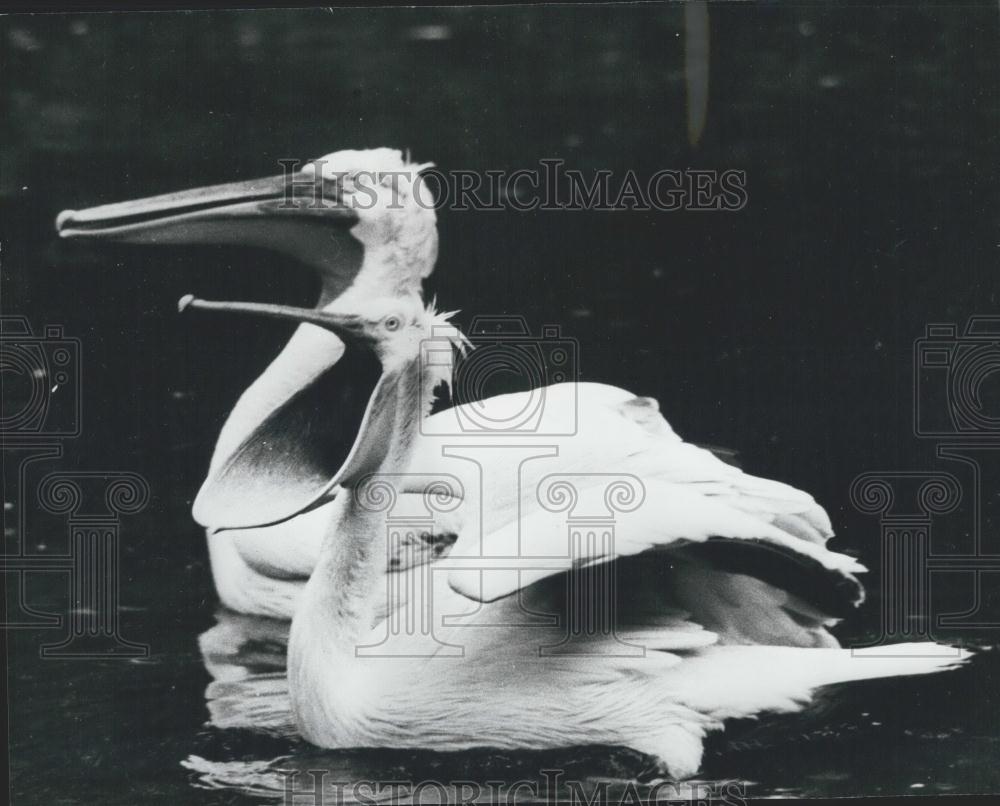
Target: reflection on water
{"type": "Point", "coordinates": [246, 658]}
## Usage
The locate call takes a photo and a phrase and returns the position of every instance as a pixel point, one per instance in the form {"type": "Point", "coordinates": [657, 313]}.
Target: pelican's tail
{"type": "Point", "coordinates": [725, 682]}
{"type": "Point", "coordinates": [741, 681]}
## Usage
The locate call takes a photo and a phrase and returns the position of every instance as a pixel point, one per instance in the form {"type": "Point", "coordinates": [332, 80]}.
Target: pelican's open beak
{"type": "Point", "coordinates": [287, 434]}
{"type": "Point", "coordinates": [348, 327]}
{"type": "Point", "coordinates": [332, 432]}
{"type": "Point", "coordinates": [307, 219]}
{"type": "Point", "coordinates": [289, 214]}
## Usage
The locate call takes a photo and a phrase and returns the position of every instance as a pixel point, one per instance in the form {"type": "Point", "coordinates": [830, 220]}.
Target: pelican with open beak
{"type": "Point", "coordinates": [719, 614]}
{"type": "Point", "coordinates": [366, 225]}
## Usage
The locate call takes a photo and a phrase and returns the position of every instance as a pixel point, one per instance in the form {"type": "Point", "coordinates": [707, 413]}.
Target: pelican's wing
{"type": "Point", "coordinates": [670, 515]}
{"type": "Point", "coordinates": [671, 459]}
{"type": "Point", "coordinates": [789, 509]}
{"type": "Point", "coordinates": [689, 493]}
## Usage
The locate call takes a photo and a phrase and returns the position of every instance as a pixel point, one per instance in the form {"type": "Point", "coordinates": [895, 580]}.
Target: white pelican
{"type": "Point", "coordinates": [718, 635]}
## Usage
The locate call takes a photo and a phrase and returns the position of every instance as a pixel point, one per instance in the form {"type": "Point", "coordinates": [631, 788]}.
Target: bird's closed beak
{"type": "Point", "coordinates": [296, 214]}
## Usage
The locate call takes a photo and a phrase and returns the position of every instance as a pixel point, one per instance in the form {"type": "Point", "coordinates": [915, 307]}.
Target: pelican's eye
{"type": "Point", "coordinates": [392, 323]}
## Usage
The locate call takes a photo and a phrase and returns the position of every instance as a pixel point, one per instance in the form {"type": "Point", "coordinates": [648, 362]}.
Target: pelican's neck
{"type": "Point", "coordinates": [354, 544]}
{"type": "Point", "coordinates": [347, 587]}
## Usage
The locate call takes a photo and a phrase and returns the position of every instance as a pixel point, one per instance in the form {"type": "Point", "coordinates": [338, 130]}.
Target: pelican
{"type": "Point", "coordinates": [356, 219]}
{"type": "Point", "coordinates": [703, 632]}
{"type": "Point", "coordinates": [264, 499]}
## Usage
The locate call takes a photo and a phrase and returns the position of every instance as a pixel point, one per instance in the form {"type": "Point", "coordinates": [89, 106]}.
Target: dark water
{"type": "Point", "coordinates": [869, 138]}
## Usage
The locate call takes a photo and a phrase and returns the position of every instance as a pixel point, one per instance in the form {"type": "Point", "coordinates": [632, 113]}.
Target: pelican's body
{"type": "Point", "coordinates": [503, 693]}
{"type": "Point", "coordinates": [702, 629]}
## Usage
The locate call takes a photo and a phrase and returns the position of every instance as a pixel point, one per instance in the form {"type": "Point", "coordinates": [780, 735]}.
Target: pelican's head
{"type": "Point", "coordinates": [275, 474]}
{"type": "Point", "coordinates": [356, 217]}
{"type": "Point", "coordinates": [398, 332]}
{"type": "Point", "coordinates": [395, 330]}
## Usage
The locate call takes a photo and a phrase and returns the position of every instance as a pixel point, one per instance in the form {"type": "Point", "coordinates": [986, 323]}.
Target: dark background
{"type": "Point", "coordinates": [869, 137]}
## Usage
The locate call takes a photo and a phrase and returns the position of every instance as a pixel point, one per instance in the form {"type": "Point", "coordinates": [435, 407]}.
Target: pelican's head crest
{"type": "Point", "coordinates": [437, 355]}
